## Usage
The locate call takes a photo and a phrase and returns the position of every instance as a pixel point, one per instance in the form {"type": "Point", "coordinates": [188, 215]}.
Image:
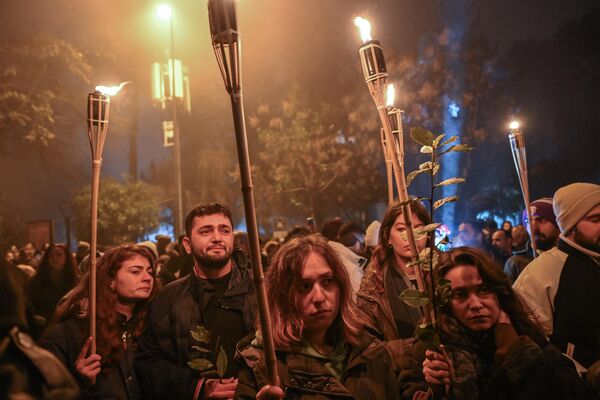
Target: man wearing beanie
{"type": "Point", "coordinates": [562, 285]}
{"type": "Point", "coordinates": [545, 233]}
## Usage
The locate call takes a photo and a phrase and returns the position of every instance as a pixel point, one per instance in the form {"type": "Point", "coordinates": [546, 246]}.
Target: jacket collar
{"type": "Point", "coordinates": [570, 247]}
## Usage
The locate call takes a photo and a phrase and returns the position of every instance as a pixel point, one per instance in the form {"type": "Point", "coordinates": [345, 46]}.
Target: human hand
{"type": "Point", "coordinates": [437, 368]}
{"type": "Point", "coordinates": [269, 392]}
{"type": "Point", "coordinates": [88, 367]}
{"type": "Point", "coordinates": [220, 388]}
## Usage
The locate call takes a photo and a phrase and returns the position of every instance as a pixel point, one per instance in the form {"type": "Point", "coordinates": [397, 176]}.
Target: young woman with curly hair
{"type": "Point", "coordinates": [388, 275]}
{"type": "Point", "coordinates": [322, 349]}
{"type": "Point", "coordinates": [56, 275]}
{"type": "Point", "coordinates": [492, 348]}
{"type": "Point", "coordinates": [125, 284]}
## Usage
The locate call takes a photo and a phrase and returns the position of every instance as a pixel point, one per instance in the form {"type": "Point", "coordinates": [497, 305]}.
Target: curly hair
{"type": "Point", "coordinates": [285, 271]}
{"type": "Point", "coordinates": [109, 341]}
{"type": "Point", "coordinates": [493, 276]}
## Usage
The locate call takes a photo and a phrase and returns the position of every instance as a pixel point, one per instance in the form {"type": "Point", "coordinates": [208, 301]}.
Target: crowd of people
{"type": "Point", "coordinates": [179, 320]}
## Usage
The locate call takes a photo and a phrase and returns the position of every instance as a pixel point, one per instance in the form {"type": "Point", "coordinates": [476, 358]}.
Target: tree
{"type": "Point", "coordinates": [40, 84]}
{"type": "Point", "coordinates": [126, 210]}
{"type": "Point", "coordinates": [315, 158]}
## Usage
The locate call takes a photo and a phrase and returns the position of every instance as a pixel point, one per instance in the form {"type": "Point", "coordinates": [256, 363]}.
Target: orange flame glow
{"type": "Point", "coordinates": [365, 28]}
{"type": "Point", "coordinates": [514, 125]}
{"type": "Point", "coordinates": [391, 94]}
{"type": "Point", "coordinates": [111, 90]}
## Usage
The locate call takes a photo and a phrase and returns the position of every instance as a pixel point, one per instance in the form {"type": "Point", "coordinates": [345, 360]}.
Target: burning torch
{"type": "Point", "coordinates": [517, 147]}
{"type": "Point", "coordinates": [375, 73]}
{"type": "Point", "coordinates": [98, 105]}
{"type": "Point", "coordinates": [226, 44]}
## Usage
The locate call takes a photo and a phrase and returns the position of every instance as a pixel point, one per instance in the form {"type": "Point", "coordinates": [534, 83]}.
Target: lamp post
{"type": "Point", "coordinates": [165, 12]}
{"type": "Point", "coordinates": [98, 107]}
{"type": "Point", "coordinates": [517, 147]}
{"type": "Point", "coordinates": [226, 44]}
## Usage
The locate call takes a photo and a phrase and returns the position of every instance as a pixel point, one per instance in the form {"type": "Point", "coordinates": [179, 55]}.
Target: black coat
{"type": "Point", "coordinates": [115, 381]}
{"type": "Point", "coordinates": [164, 348]}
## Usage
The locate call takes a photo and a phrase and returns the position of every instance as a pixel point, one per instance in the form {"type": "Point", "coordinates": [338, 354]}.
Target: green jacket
{"type": "Point", "coordinates": [369, 373]}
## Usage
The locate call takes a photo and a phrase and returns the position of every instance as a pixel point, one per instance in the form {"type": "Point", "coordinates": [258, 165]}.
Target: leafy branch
{"type": "Point", "coordinates": [438, 293]}
{"type": "Point", "coordinates": [206, 367]}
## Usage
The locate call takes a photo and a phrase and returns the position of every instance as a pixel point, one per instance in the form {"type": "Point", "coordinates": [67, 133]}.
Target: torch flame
{"type": "Point", "coordinates": [514, 125]}
{"type": "Point", "coordinates": [391, 94]}
{"type": "Point", "coordinates": [111, 90]}
{"type": "Point", "coordinates": [365, 28]}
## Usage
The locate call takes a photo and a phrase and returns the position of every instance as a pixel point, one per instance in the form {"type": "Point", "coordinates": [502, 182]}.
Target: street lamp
{"type": "Point", "coordinates": [165, 13]}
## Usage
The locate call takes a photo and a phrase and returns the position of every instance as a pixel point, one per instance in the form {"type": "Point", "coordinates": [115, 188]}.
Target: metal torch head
{"type": "Point", "coordinates": [372, 61]}
{"type": "Point", "coordinates": [516, 139]}
{"type": "Point", "coordinates": [97, 109]}
{"type": "Point", "coordinates": [222, 16]}
{"type": "Point", "coordinates": [395, 117]}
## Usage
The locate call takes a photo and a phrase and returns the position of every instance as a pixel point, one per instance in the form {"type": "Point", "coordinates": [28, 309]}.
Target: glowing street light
{"type": "Point", "coordinates": [165, 13]}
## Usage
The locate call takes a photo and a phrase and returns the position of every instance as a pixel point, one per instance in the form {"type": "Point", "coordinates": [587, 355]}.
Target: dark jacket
{"type": "Point", "coordinates": [380, 314]}
{"type": "Point", "coordinates": [369, 373]}
{"type": "Point", "coordinates": [165, 346]}
{"type": "Point", "coordinates": [117, 379]}
{"type": "Point", "coordinates": [44, 295]}
{"type": "Point", "coordinates": [521, 370]}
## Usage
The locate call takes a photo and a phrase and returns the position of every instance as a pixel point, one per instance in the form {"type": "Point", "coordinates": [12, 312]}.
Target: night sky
{"type": "Point", "coordinates": [283, 40]}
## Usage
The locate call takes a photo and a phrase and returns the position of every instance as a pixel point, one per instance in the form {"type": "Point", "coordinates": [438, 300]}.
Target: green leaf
{"type": "Point", "coordinates": [443, 291]}
{"type": "Point", "coordinates": [422, 136]}
{"type": "Point", "coordinates": [411, 176]}
{"type": "Point", "coordinates": [443, 201]}
{"type": "Point", "coordinates": [201, 334]}
{"type": "Point", "coordinates": [426, 149]}
{"type": "Point", "coordinates": [426, 166]}
{"type": "Point", "coordinates": [451, 139]}
{"type": "Point", "coordinates": [202, 349]}
{"type": "Point", "coordinates": [427, 228]}
{"type": "Point", "coordinates": [221, 362]}
{"type": "Point", "coordinates": [437, 140]}
{"type": "Point", "coordinates": [457, 147]}
{"type": "Point", "coordinates": [414, 298]}
{"type": "Point", "coordinates": [427, 335]}
{"type": "Point", "coordinates": [420, 261]}
{"type": "Point", "coordinates": [200, 364]}
{"type": "Point", "coordinates": [443, 241]}
{"type": "Point", "coordinates": [450, 181]}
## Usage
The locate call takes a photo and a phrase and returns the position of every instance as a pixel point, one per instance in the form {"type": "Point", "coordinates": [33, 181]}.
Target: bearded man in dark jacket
{"type": "Point", "coordinates": [196, 321]}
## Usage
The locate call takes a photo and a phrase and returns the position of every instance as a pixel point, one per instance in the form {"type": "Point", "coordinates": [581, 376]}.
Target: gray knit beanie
{"type": "Point", "coordinates": [572, 202]}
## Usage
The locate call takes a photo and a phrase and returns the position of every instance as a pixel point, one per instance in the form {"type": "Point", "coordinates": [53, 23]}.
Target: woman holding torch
{"type": "Point", "coordinates": [322, 348]}
{"type": "Point", "coordinates": [492, 348]}
{"type": "Point", "coordinates": [389, 274]}
{"type": "Point", "coordinates": [125, 285]}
